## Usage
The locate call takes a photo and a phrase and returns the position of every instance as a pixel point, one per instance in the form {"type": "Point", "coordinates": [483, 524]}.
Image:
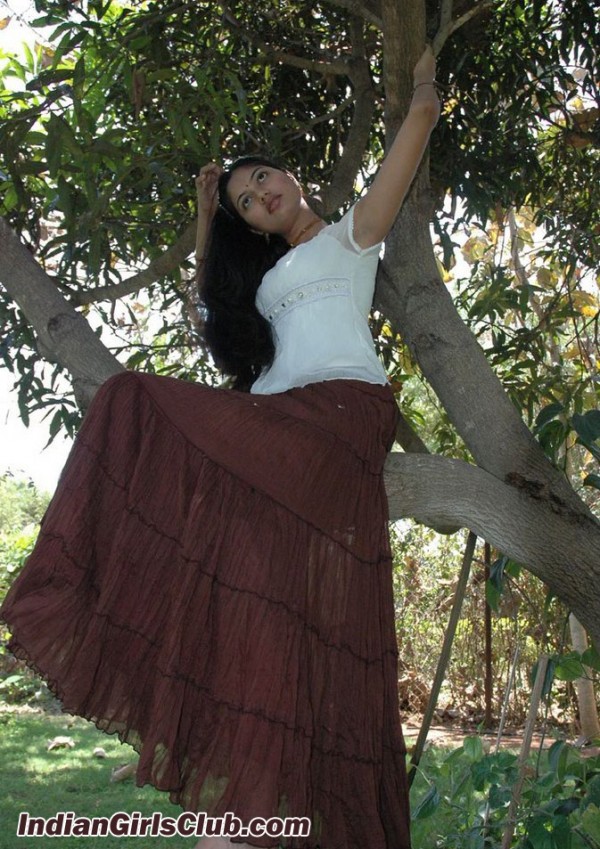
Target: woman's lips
{"type": "Point", "coordinates": [273, 203]}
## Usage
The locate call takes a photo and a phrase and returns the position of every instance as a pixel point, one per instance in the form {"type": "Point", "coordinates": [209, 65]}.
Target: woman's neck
{"type": "Point", "coordinates": [307, 232]}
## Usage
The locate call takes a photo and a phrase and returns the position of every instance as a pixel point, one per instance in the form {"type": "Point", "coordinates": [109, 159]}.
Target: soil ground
{"type": "Point", "coordinates": [452, 736]}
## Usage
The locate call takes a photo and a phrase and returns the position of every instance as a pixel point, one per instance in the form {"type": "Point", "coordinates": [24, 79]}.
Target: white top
{"type": "Point", "coordinates": [317, 300]}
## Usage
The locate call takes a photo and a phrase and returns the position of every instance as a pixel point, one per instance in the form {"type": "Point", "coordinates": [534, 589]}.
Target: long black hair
{"type": "Point", "coordinates": [238, 336]}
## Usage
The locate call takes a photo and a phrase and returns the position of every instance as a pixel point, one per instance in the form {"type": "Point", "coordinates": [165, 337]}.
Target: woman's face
{"type": "Point", "coordinates": [268, 199]}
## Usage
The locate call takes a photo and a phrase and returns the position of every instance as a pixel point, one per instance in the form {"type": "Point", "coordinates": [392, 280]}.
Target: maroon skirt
{"type": "Point", "coordinates": [213, 582]}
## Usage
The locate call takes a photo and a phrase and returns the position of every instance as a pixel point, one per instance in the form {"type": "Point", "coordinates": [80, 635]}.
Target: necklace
{"type": "Point", "coordinates": [302, 232]}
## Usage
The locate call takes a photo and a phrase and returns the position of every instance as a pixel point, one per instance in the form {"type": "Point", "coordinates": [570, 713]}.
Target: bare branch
{"type": "Point", "coordinates": [171, 259]}
{"type": "Point", "coordinates": [448, 26]}
{"type": "Point", "coordinates": [321, 119]}
{"type": "Point", "coordinates": [336, 67]}
{"type": "Point", "coordinates": [361, 10]}
{"type": "Point", "coordinates": [446, 15]}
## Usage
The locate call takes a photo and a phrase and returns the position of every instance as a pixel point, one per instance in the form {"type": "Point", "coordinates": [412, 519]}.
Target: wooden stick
{"type": "Point", "coordinates": [445, 655]}
{"type": "Point", "coordinates": [534, 703]}
{"type": "Point", "coordinates": [509, 686]}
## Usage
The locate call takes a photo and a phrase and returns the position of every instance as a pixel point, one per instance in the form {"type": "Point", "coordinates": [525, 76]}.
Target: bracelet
{"type": "Point", "coordinates": [433, 83]}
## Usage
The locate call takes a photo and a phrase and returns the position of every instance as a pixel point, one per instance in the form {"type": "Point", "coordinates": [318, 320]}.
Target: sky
{"type": "Point", "coordinates": [22, 449]}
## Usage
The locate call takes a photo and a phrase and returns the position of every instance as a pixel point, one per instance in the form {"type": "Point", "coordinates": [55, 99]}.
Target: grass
{"type": "Point", "coordinates": [44, 782]}
{"type": "Point", "coordinates": [452, 788]}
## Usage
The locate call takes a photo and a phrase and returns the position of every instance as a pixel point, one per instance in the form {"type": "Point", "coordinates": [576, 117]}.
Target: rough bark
{"type": "Point", "coordinates": [64, 336]}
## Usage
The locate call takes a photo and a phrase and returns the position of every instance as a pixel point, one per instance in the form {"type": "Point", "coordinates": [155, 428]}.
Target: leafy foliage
{"type": "Point", "coordinates": [21, 510]}
{"type": "Point", "coordinates": [103, 128]}
{"type": "Point", "coordinates": [469, 790]}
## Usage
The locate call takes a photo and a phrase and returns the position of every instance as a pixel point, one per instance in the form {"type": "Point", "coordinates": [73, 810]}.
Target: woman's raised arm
{"type": "Point", "coordinates": [377, 210]}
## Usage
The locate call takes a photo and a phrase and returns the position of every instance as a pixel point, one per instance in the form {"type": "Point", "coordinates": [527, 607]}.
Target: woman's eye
{"type": "Point", "coordinates": [261, 175]}
{"type": "Point", "coordinates": [246, 202]}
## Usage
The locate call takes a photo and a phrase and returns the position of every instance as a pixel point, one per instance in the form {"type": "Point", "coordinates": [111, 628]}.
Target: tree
{"type": "Point", "coordinates": [101, 143]}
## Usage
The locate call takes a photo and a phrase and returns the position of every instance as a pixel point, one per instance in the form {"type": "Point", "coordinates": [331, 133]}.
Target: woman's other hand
{"type": "Point", "coordinates": [206, 188]}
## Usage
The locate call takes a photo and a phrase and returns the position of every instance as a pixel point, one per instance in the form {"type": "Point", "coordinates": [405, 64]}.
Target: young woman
{"type": "Point", "coordinates": [212, 579]}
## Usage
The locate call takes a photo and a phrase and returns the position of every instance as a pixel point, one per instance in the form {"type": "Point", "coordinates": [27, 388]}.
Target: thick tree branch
{"type": "Point", "coordinates": [448, 26]}
{"type": "Point", "coordinates": [64, 335]}
{"type": "Point", "coordinates": [403, 40]}
{"type": "Point", "coordinates": [412, 295]}
{"type": "Point", "coordinates": [439, 491]}
{"type": "Point", "coordinates": [170, 260]}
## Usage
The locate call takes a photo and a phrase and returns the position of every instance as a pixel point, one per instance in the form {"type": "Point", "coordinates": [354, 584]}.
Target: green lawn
{"type": "Point", "coordinates": [41, 782]}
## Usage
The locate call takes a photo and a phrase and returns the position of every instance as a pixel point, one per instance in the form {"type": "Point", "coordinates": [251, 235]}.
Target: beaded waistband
{"type": "Point", "coordinates": [327, 287]}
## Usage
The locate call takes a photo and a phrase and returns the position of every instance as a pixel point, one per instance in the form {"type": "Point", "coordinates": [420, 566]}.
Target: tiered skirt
{"type": "Point", "coordinates": [213, 582]}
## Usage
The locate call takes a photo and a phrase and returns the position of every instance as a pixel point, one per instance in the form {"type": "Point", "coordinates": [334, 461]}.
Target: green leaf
{"type": "Point", "coordinates": [499, 796]}
{"type": "Point", "coordinates": [46, 78]}
{"type": "Point", "coordinates": [547, 414]}
{"type": "Point", "coordinates": [539, 836]}
{"type": "Point", "coordinates": [473, 748]}
{"type": "Point", "coordinates": [495, 583]}
{"type": "Point", "coordinates": [79, 76]}
{"type": "Point", "coordinates": [557, 754]}
{"type": "Point", "coordinates": [12, 679]}
{"type": "Point", "coordinates": [55, 426]}
{"type": "Point", "coordinates": [591, 658]}
{"type": "Point", "coordinates": [567, 806]}
{"type": "Point", "coordinates": [587, 425]}
{"type": "Point", "coordinates": [592, 480]}
{"type": "Point", "coordinates": [590, 823]}
{"type": "Point", "coordinates": [492, 596]}
{"type": "Point", "coordinates": [592, 793]}
{"type": "Point", "coordinates": [569, 667]}
{"type": "Point", "coordinates": [428, 804]}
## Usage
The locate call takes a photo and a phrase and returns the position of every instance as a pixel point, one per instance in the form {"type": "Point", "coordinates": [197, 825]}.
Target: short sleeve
{"type": "Point", "coordinates": [343, 231]}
